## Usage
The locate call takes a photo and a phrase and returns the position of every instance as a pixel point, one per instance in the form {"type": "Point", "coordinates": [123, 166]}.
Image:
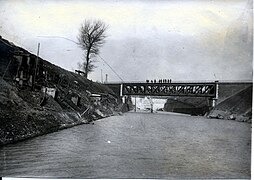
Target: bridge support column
{"type": "Point", "coordinates": [151, 103]}
{"type": "Point", "coordinates": [213, 101]}
{"type": "Point", "coordinates": [217, 89]}
{"type": "Point", "coordinates": [121, 90]}
{"type": "Point", "coordinates": [121, 93]}
{"type": "Point", "coordinates": [123, 99]}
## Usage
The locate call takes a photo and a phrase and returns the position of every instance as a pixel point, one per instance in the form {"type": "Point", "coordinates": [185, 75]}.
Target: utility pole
{"type": "Point", "coordinates": [101, 77]}
{"type": "Point", "coordinates": [36, 64]}
{"type": "Point", "coordinates": [106, 80]}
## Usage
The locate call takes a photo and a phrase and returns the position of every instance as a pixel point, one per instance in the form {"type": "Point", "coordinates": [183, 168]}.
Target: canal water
{"type": "Point", "coordinates": [135, 145]}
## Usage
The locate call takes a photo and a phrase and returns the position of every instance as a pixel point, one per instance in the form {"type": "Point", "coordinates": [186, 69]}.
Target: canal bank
{"type": "Point", "coordinates": [22, 116]}
{"type": "Point", "coordinates": [234, 103]}
{"type": "Point", "coordinates": [37, 97]}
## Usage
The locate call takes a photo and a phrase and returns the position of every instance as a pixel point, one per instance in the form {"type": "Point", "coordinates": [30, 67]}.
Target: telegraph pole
{"type": "Point", "coordinates": [106, 80]}
{"type": "Point", "coordinates": [36, 64]}
{"type": "Point", "coordinates": [101, 77]}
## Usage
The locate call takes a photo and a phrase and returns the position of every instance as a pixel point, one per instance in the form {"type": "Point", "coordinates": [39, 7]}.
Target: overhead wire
{"type": "Point", "coordinates": [59, 37]}
{"type": "Point", "coordinates": [78, 44]}
{"type": "Point", "coordinates": [111, 68]}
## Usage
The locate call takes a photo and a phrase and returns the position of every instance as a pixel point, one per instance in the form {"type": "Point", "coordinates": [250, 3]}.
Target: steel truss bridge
{"type": "Point", "coordinates": [167, 89]}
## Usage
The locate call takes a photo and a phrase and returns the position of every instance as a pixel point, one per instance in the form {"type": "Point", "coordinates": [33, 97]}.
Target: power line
{"type": "Point", "coordinates": [78, 44]}
{"type": "Point", "coordinates": [111, 68]}
{"type": "Point", "coordinates": [59, 37]}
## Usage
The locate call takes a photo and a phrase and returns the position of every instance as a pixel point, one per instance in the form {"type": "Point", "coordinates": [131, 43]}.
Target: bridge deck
{"type": "Point", "coordinates": [207, 89]}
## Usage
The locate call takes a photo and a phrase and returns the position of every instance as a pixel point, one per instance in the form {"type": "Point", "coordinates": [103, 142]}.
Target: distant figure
{"type": "Point", "coordinates": [154, 81]}
{"type": "Point", "coordinates": [170, 81]}
{"type": "Point", "coordinates": [151, 81]}
{"type": "Point", "coordinates": [147, 81]}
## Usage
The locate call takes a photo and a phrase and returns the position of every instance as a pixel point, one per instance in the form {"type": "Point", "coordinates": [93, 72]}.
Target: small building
{"type": "Point", "coordinates": [49, 91]}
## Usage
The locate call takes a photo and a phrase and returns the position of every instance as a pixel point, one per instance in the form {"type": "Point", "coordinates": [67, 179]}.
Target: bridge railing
{"type": "Point", "coordinates": [184, 81]}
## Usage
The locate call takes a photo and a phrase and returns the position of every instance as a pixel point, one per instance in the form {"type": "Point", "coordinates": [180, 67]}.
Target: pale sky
{"type": "Point", "coordinates": [174, 39]}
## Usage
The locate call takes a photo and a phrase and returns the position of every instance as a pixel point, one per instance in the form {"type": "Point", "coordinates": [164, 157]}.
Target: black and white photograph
{"type": "Point", "coordinates": [126, 89]}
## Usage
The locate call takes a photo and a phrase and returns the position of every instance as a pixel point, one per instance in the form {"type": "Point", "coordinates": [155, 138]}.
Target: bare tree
{"type": "Point", "coordinates": [91, 37]}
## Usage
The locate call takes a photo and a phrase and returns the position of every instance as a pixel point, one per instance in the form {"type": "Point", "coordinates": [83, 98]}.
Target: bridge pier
{"type": "Point", "coordinates": [212, 102]}
{"type": "Point", "coordinates": [123, 99]}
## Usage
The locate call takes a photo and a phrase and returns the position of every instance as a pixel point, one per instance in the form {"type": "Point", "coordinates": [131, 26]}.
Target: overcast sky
{"type": "Point", "coordinates": [174, 39]}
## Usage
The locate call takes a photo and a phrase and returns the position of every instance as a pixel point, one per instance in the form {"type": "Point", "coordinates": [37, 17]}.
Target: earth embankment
{"type": "Point", "coordinates": [37, 97]}
{"type": "Point", "coordinates": [236, 107]}
{"type": "Point", "coordinates": [234, 103]}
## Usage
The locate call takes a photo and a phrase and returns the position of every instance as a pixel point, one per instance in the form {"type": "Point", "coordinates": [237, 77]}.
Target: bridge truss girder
{"type": "Point", "coordinates": [170, 89]}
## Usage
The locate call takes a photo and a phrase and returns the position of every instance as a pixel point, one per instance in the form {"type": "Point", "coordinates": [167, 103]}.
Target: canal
{"type": "Point", "coordinates": [135, 145]}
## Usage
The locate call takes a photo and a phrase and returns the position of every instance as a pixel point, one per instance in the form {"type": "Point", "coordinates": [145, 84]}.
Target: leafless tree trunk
{"type": "Point", "coordinates": [91, 37]}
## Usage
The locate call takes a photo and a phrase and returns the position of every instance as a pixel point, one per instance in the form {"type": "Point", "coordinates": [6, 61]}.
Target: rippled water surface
{"type": "Point", "coordinates": [135, 145]}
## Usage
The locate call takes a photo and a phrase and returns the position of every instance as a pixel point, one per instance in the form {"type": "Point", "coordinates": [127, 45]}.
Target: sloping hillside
{"type": "Point", "coordinates": [237, 107]}
{"type": "Point", "coordinates": [227, 89]}
{"type": "Point", "coordinates": [37, 97]}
